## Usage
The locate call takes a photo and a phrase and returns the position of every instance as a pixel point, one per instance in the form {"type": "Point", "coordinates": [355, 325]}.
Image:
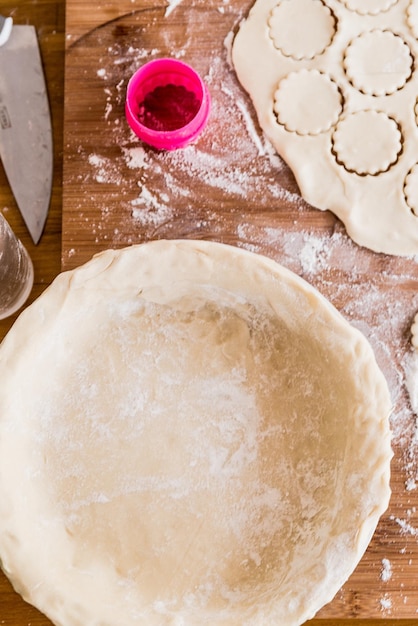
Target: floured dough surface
{"type": "Point", "coordinates": [335, 88]}
{"type": "Point", "coordinates": [189, 434]}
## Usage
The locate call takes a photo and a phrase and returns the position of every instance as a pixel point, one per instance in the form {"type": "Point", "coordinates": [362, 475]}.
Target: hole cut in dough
{"type": "Point", "coordinates": [189, 433]}
{"type": "Point", "coordinates": [290, 28]}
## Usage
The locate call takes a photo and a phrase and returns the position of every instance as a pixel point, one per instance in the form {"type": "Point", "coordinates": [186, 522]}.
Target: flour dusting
{"type": "Point", "coordinates": [386, 603]}
{"type": "Point", "coordinates": [386, 572]}
{"type": "Point", "coordinates": [136, 158]}
{"type": "Point", "coordinates": [172, 4]}
{"type": "Point", "coordinates": [150, 208]}
{"type": "Point", "coordinates": [406, 527]}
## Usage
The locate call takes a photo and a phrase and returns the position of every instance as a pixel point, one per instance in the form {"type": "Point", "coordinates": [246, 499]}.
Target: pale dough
{"type": "Point", "coordinates": [334, 86]}
{"type": "Point", "coordinates": [189, 435]}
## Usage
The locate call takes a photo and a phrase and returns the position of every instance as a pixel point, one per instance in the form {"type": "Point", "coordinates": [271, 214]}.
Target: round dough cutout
{"type": "Point", "coordinates": [378, 63]}
{"type": "Point", "coordinates": [307, 102]}
{"type": "Point", "coordinates": [367, 142]}
{"type": "Point", "coordinates": [290, 28]}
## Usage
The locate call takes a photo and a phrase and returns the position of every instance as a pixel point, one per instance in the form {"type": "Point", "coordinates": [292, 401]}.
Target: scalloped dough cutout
{"type": "Point", "coordinates": [335, 92]}
{"type": "Point", "coordinates": [290, 31]}
{"type": "Point", "coordinates": [307, 102]}
{"type": "Point", "coordinates": [412, 17]}
{"type": "Point", "coordinates": [378, 62]}
{"type": "Point", "coordinates": [367, 142]}
{"type": "Point", "coordinates": [369, 7]}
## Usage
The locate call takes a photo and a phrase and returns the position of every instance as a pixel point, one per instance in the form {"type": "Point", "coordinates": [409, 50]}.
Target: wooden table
{"type": "Point", "coordinates": [117, 192]}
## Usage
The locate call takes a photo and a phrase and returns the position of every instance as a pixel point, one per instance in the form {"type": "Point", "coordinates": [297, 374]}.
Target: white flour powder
{"type": "Point", "coordinates": [386, 573]}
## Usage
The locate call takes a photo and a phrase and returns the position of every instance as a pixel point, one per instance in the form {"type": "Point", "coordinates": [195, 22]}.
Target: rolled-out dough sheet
{"type": "Point", "coordinates": [335, 89]}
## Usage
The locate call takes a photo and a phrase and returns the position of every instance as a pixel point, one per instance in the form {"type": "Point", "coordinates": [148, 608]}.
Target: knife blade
{"type": "Point", "coordinates": [26, 145]}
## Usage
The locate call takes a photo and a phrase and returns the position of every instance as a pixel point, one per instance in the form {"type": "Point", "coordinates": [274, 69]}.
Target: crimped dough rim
{"type": "Point", "coordinates": [236, 298]}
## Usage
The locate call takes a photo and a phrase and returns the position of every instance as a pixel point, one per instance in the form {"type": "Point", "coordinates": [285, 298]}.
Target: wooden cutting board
{"type": "Point", "coordinates": [231, 187]}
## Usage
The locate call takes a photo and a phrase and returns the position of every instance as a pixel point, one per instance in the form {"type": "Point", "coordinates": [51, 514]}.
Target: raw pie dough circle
{"type": "Point", "coordinates": [189, 434]}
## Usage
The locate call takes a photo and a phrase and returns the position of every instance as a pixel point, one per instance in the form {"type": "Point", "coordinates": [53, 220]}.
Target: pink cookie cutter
{"type": "Point", "coordinates": [167, 104]}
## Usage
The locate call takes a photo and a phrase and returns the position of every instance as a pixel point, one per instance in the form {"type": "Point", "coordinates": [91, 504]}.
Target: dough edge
{"type": "Point", "coordinates": [105, 271]}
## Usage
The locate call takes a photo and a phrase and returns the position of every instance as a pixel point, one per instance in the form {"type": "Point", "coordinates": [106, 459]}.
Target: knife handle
{"type": "Point", "coordinates": [6, 24]}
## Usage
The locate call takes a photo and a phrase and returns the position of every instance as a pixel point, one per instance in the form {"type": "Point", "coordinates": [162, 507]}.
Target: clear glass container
{"type": "Point", "coordinates": [16, 271]}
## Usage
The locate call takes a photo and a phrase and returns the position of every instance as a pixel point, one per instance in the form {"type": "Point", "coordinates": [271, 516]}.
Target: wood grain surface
{"type": "Point", "coordinates": [228, 187]}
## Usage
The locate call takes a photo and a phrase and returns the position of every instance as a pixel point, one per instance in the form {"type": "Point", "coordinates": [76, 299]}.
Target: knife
{"type": "Point", "coordinates": [26, 149]}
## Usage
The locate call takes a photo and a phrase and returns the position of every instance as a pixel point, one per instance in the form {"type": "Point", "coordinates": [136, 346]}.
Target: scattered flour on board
{"type": "Point", "coordinates": [172, 4]}
{"type": "Point", "coordinates": [150, 208]}
{"type": "Point", "coordinates": [386, 603]}
{"type": "Point", "coordinates": [405, 523]}
{"type": "Point", "coordinates": [386, 572]}
{"type": "Point", "coordinates": [136, 158]}
{"type": "Point", "coordinates": [105, 169]}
